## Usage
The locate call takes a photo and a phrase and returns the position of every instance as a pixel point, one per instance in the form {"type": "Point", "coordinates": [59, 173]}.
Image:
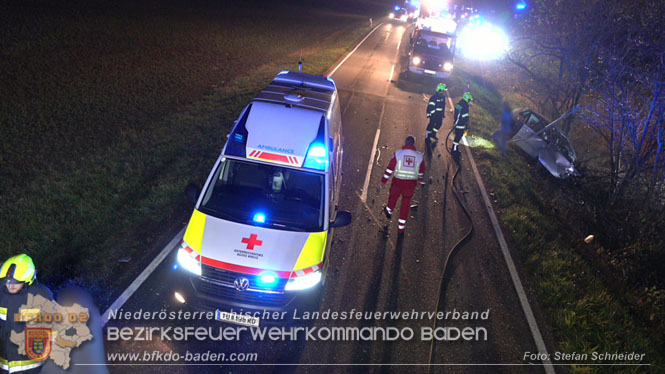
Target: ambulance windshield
{"type": "Point", "coordinates": [282, 198]}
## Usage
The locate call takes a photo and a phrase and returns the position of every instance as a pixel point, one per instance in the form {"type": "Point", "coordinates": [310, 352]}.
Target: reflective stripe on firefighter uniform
{"type": "Point", "coordinates": [436, 111]}
{"type": "Point", "coordinates": [407, 168]}
{"type": "Point", "coordinates": [18, 366]}
{"type": "Point", "coordinates": [461, 121]}
{"type": "Point", "coordinates": [437, 104]}
{"type": "Point", "coordinates": [12, 308]}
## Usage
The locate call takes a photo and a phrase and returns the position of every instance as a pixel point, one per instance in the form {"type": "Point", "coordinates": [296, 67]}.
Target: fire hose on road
{"type": "Point", "coordinates": [455, 247]}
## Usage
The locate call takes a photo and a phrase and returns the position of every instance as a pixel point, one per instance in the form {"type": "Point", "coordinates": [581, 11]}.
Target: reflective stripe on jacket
{"type": "Point", "coordinates": [437, 104]}
{"type": "Point", "coordinates": [12, 306]}
{"type": "Point", "coordinates": [461, 115]}
{"type": "Point", "coordinates": [406, 164]}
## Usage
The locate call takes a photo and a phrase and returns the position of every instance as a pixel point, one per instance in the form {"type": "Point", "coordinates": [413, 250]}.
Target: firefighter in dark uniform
{"type": "Point", "coordinates": [19, 276]}
{"type": "Point", "coordinates": [461, 123]}
{"type": "Point", "coordinates": [436, 110]}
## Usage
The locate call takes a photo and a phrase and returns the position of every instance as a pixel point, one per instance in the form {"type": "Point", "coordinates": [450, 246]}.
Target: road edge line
{"type": "Point", "coordinates": [129, 291]}
{"type": "Point", "coordinates": [329, 74]}
{"type": "Point", "coordinates": [524, 301]}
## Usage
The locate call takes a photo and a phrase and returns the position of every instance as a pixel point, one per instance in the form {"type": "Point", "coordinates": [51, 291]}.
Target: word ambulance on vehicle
{"type": "Point", "coordinates": [260, 233]}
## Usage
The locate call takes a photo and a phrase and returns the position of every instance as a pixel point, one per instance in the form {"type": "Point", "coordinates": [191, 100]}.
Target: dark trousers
{"type": "Point", "coordinates": [459, 133]}
{"type": "Point", "coordinates": [434, 124]}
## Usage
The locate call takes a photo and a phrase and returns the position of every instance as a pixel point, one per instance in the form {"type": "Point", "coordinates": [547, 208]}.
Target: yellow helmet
{"type": "Point", "coordinates": [19, 268]}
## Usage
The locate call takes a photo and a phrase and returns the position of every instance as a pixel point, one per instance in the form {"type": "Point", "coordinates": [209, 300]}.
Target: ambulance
{"type": "Point", "coordinates": [260, 233]}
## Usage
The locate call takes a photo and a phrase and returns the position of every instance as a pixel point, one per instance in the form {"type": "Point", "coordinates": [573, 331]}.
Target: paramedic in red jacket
{"type": "Point", "coordinates": [406, 167]}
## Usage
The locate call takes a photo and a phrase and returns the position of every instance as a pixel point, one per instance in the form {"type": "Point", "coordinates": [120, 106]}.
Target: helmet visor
{"type": "Point", "coordinates": [11, 280]}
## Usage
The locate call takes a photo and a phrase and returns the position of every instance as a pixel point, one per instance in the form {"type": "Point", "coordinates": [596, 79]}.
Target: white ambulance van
{"type": "Point", "coordinates": [260, 233]}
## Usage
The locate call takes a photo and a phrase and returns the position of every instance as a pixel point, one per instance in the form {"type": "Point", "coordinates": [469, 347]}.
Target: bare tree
{"type": "Point", "coordinates": [627, 109]}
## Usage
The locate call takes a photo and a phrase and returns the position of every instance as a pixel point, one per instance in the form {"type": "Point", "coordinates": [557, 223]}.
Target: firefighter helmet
{"type": "Point", "coordinates": [18, 269]}
{"type": "Point", "coordinates": [441, 87]}
{"type": "Point", "coordinates": [467, 96]}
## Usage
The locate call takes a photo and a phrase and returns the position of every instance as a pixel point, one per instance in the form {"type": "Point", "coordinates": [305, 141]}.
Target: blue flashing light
{"type": "Point", "coordinates": [520, 5]}
{"type": "Point", "coordinates": [317, 150]}
{"type": "Point", "coordinates": [317, 157]}
{"type": "Point", "coordinates": [397, 7]}
{"type": "Point", "coordinates": [259, 217]}
{"type": "Point", "coordinates": [267, 278]}
{"type": "Point", "coordinates": [175, 266]}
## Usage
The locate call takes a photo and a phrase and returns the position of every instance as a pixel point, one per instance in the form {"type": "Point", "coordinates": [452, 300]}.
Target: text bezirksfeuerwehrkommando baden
{"type": "Point", "coordinates": [180, 333]}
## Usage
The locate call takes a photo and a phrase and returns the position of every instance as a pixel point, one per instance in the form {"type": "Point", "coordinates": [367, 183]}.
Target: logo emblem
{"type": "Point", "coordinates": [409, 161]}
{"type": "Point", "coordinates": [241, 283]}
{"type": "Point", "coordinates": [252, 241]}
{"type": "Point", "coordinates": [37, 343]}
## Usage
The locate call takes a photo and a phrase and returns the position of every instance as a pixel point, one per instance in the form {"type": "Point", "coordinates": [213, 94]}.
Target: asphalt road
{"type": "Point", "coordinates": [371, 272]}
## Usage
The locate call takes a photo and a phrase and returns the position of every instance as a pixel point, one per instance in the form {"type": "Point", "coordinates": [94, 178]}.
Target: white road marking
{"type": "Point", "coordinates": [143, 276]}
{"type": "Point", "coordinates": [363, 195]}
{"type": "Point", "coordinates": [524, 301]}
{"type": "Point", "coordinates": [390, 78]}
{"type": "Point", "coordinates": [387, 35]}
{"type": "Point", "coordinates": [399, 43]}
{"type": "Point", "coordinates": [354, 49]}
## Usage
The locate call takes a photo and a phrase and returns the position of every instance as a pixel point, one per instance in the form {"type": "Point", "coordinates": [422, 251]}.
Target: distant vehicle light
{"type": "Point", "coordinates": [448, 66]}
{"type": "Point", "coordinates": [416, 60]}
{"type": "Point", "coordinates": [259, 218]}
{"type": "Point", "coordinates": [482, 42]}
{"type": "Point", "coordinates": [179, 297]}
{"type": "Point", "coordinates": [391, 15]}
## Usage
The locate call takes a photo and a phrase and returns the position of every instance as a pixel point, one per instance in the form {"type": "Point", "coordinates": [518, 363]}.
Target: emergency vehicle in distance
{"type": "Point", "coordinates": [259, 236]}
{"type": "Point", "coordinates": [432, 47]}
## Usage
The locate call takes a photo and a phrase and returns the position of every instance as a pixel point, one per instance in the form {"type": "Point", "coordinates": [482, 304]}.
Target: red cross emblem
{"type": "Point", "coordinates": [409, 161]}
{"type": "Point", "coordinates": [252, 241]}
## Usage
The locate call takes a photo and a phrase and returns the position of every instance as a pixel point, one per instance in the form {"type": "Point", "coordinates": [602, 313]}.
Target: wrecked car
{"type": "Point", "coordinates": [543, 140]}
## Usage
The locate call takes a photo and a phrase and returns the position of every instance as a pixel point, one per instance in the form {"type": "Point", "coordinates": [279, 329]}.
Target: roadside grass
{"type": "Point", "coordinates": [585, 312]}
{"type": "Point", "coordinates": [109, 112]}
